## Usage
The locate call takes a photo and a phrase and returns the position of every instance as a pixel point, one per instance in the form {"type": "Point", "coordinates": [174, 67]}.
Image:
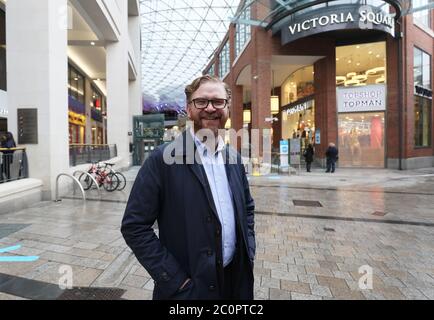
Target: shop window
{"type": "Point", "coordinates": [422, 69]}
{"type": "Point", "coordinates": [361, 102]}
{"type": "Point", "coordinates": [422, 116]}
{"type": "Point", "coordinates": [298, 86]}
{"type": "Point", "coordinates": [361, 139]}
{"type": "Point", "coordinates": [242, 32]}
{"type": "Point", "coordinates": [3, 77]}
{"type": "Point", "coordinates": [422, 99]}
{"type": "Point", "coordinates": [361, 64]}
{"type": "Point", "coordinates": [423, 16]}
{"type": "Point", "coordinates": [224, 60]}
{"type": "Point", "coordinates": [76, 84]}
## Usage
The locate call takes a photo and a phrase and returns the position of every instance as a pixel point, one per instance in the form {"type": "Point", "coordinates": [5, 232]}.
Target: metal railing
{"type": "Point", "coordinates": [14, 164]}
{"type": "Point", "coordinates": [88, 153]}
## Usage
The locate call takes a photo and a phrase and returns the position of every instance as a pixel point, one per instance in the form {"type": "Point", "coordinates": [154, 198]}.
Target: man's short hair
{"type": "Point", "coordinates": [194, 86]}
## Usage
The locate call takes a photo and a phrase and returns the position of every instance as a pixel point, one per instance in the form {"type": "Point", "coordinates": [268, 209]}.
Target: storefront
{"type": "Point", "coordinates": [345, 72]}
{"type": "Point", "coordinates": [361, 104]}
{"type": "Point", "coordinates": [76, 106]}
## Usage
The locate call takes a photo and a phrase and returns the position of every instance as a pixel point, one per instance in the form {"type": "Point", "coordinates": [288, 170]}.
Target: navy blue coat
{"type": "Point", "coordinates": [189, 244]}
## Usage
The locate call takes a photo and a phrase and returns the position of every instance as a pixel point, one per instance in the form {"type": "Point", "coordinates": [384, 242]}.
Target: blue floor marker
{"type": "Point", "coordinates": [16, 258]}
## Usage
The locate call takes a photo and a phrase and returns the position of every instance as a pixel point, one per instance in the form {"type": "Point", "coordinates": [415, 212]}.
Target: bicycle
{"type": "Point", "coordinates": [122, 179]}
{"type": "Point", "coordinates": [108, 180]}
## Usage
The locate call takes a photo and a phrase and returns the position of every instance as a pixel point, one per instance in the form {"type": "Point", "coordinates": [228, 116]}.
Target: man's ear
{"type": "Point", "coordinates": [188, 111]}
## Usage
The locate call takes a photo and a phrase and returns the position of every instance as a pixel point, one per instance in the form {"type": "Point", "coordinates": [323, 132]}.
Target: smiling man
{"type": "Point", "coordinates": [205, 213]}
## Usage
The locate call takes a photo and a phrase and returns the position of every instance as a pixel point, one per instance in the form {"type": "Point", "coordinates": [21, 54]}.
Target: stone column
{"type": "Point", "coordinates": [37, 78]}
{"type": "Point", "coordinates": [118, 116]}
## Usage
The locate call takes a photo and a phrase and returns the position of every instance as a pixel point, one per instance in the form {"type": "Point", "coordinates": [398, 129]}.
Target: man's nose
{"type": "Point", "coordinates": [210, 108]}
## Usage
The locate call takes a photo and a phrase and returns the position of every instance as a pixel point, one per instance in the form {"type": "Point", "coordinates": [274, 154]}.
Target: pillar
{"type": "Point", "coordinates": [37, 78]}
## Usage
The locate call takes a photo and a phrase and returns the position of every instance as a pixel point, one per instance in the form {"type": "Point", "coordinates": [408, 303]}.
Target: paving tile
{"type": "Point", "coordinates": [322, 291]}
{"type": "Point", "coordinates": [270, 282]}
{"type": "Point", "coordinates": [300, 296]}
{"type": "Point", "coordinates": [295, 286]}
{"type": "Point", "coordinates": [276, 294]}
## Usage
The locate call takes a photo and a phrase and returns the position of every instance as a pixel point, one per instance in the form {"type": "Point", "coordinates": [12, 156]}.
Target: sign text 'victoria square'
{"type": "Point", "coordinates": [365, 16]}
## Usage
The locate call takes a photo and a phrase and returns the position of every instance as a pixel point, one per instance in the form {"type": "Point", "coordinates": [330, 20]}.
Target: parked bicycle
{"type": "Point", "coordinates": [104, 177]}
{"type": "Point", "coordinates": [121, 177]}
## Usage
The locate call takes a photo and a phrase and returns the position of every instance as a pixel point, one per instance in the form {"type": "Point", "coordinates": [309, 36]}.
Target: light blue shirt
{"type": "Point", "coordinates": [215, 170]}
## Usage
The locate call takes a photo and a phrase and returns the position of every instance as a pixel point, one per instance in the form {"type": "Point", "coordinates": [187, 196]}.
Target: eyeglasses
{"type": "Point", "coordinates": [201, 103]}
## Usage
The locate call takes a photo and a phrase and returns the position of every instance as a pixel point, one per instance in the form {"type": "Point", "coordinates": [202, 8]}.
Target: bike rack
{"type": "Point", "coordinates": [90, 176]}
{"type": "Point", "coordinates": [73, 179]}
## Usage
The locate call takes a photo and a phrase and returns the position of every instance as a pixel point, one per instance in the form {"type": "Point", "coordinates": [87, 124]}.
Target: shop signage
{"type": "Point", "coordinates": [421, 91]}
{"type": "Point", "coordinates": [284, 147]}
{"type": "Point", "coordinates": [331, 18]}
{"type": "Point", "coordinates": [284, 152]}
{"type": "Point", "coordinates": [318, 136]}
{"type": "Point", "coordinates": [362, 99]}
{"type": "Point", "coordinates": [300, 107]}
{"type": "Point", "coordinates": [77, 119]}
{"type": "Point", "coordinates": [295, 151]}
{"type": "Point", "coordinates": [27, 126]}
{"type": "Point", "coordinates": [3, 104]}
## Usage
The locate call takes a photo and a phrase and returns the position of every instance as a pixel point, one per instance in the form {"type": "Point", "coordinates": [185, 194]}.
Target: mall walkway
{"type": "Point", "coordinates": [314, 232]}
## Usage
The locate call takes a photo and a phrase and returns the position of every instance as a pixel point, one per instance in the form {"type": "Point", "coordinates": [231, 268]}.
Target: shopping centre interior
{"type": "Point", "coordinates": [91, 84]}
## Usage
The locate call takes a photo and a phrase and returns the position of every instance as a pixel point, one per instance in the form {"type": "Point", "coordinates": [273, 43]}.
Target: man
{"type": "Point", "coordinates": [203, 207]}
{"type": "Point", "coordinates": [332, 156]}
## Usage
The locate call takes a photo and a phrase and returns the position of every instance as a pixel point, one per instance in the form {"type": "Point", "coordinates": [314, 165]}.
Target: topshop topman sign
{"type": "Point", "coordinates": [343, 17]}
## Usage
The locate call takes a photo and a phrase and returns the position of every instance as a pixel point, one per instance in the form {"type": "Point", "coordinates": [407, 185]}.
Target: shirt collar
{"type": "Point", "coordinates": [204, 149]}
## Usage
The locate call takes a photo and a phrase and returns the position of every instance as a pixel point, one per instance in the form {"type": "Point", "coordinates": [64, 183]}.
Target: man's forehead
{"type": "Point", "coordinates": [211, 86]}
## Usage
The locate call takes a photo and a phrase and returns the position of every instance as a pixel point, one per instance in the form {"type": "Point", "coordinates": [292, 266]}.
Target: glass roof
{"type": "Point", "coordinates": [178, 39]}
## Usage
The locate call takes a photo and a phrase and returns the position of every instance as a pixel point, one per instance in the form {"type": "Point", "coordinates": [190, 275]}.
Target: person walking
{"type": "Point", "coordinates": [308, 156]}
{"type": "Point", "coordinates": [7, 142]}
{"type": "Point", "coordinates": [206, 240]}
{"type": "Point", "coordinates": [332, 155]}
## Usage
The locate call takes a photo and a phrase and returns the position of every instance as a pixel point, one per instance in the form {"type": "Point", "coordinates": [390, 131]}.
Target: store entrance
{"type": "Point", "coordinates": [361, 140]}
{"type": "Point", "coordinates": [3, 125]}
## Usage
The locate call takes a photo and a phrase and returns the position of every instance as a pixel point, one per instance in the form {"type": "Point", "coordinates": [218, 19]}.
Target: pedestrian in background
{"type": "Point", "coordinates": [7, 142]}
{"type": "Point", "coordinates": [332, 155]}
{"type": "Point", "coordinates": [308, 156]}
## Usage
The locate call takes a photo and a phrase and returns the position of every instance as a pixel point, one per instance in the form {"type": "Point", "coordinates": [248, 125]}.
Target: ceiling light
{"type": "Point", "coordinates": [351, 82]}
{"type": "Point", "coordinates": [378, 56]}
{"type": "Point", "coordinates": [349, 61]}
{"type": "Point", "coordinates": [92, 43]}
{"type": "Point", "coordinates": [375, 71]}
{"type": "Point", "coordinates": [361, 77]}
{"type": "Point", "coordinates": [370, 52]}
{"type": "Point", "coordinates": [351, 75]}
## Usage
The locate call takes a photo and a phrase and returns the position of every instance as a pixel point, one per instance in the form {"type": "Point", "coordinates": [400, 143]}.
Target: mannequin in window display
{"type": "Point", "coordinates": [355, 146]}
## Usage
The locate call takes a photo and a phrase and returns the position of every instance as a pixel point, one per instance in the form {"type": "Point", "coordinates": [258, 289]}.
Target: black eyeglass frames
{"type": "Point", "coordinates": [202, 103]}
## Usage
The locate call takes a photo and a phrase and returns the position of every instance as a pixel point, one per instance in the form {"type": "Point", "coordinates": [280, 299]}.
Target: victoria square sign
{"type": "Point", "coordinates": [334, 18]}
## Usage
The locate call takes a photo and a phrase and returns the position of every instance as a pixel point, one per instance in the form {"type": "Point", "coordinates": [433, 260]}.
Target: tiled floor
{"type": "Point", "coordinates": [303, 252]}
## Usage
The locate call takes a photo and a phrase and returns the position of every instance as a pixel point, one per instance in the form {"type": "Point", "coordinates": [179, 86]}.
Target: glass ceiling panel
{"type": "Point", "coordinates": [178, 39]}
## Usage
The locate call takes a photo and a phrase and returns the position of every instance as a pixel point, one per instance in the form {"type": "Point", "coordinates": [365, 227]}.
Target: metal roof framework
{"type": "Point", "coordinates": [178, 38]}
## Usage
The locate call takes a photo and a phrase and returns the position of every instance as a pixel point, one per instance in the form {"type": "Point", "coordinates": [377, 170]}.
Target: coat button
{"type": "Point", "coordinates": [219, 263]}
{"type": "Point", "coordinates": [211, 288]}
{"type": "Point", "coordinates": [208, 219]}
{"type": "Point", "coordinates": [218, 232]}
{"type": "Point", "coordinates": [165, 276]}
{"type": "Point", "coordinates": [209, 253]}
